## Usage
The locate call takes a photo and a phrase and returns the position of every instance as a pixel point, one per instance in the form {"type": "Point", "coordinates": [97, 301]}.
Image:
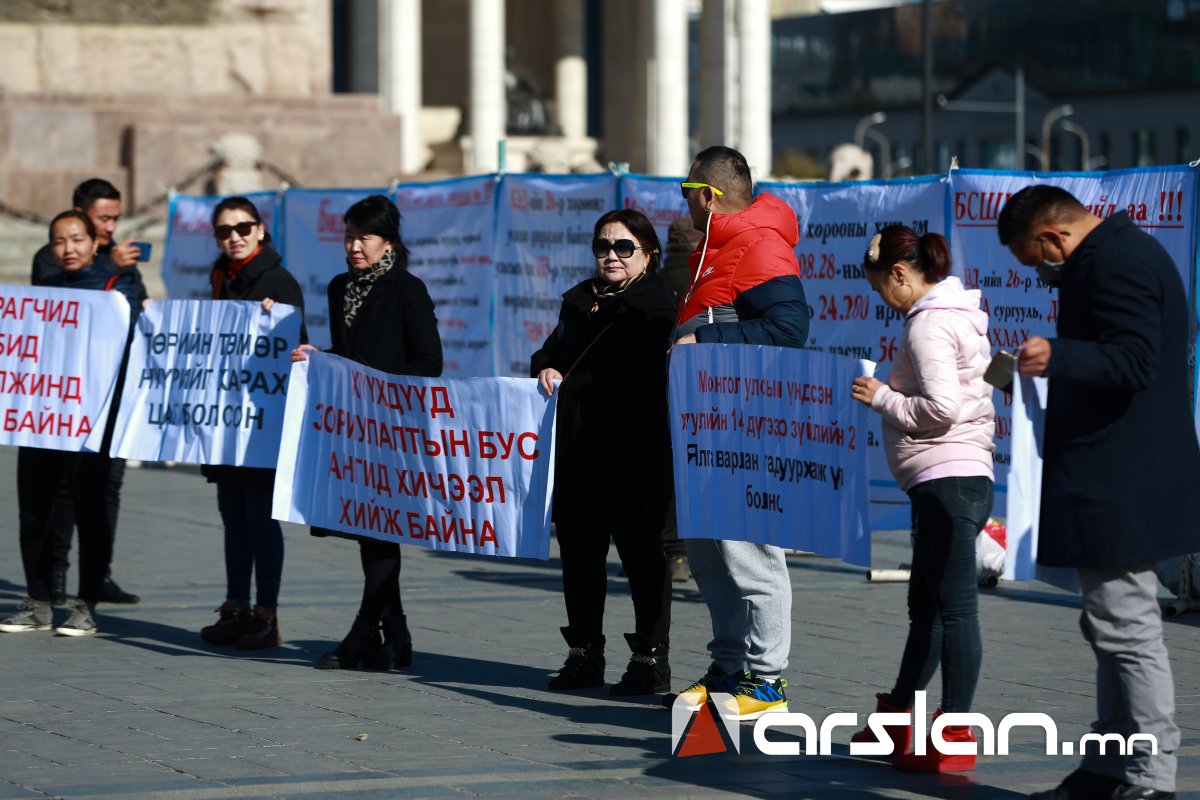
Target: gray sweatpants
{"type": "Point", "coordinates": [1135, 693]}
{"type": "Point", "coordinates": [749, 597]}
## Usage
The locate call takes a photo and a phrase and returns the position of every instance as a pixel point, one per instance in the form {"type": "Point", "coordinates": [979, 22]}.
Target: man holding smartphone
{"type": "Point", "coordinates": [1121, 466]}
{"type": "Point", "coordinates": [101, 201]}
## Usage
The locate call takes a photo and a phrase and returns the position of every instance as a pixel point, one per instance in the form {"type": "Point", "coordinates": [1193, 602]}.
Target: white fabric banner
{"type": "Point", "coordinates": [1025, 488]}
{"type": "Point", "coordinates": [314, 249]}
{"type": "Point", "coordinates": [1158, 199]}
{"type": "Point", "coordinates": [459, 465]}
{"type": "Point", "coordinates": [448, 228]}
{"type": "Point", "coordinates": [657, 197]}
{"type": "Point", "coordinates": [190, 249]}
{"type": "Point", "coordinates": [837, 222]}
{"type": "Point", "coordinates": [60, 351]}
{"type": "Point", "coordinates": [769, 447]}
{"type": "Point", "coordinates": [207, 382]}
{"type": "Point", "coordinates": [543, 247]}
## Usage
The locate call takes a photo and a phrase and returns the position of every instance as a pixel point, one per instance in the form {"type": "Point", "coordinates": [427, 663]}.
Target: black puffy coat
{"type": "Point", "coordinates": [612, 466]}
{"type": "Point", "coordinates": [1121, 477]}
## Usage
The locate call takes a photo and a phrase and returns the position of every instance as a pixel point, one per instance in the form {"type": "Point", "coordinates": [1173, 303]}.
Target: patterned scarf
{"type": "Point", "coordinates": [360, 283]}
{"type": "Point", "coordinates": [603, 291]}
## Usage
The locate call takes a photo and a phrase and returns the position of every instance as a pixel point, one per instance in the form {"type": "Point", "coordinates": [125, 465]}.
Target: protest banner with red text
{"type": "Point", "coordinates": [60, 351]}
{"type": "Point", "coordinates": [449, 464]}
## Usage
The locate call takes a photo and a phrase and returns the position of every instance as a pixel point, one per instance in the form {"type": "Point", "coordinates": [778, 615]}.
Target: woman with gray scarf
{"type": "Point", "coordinates": [381, 316]}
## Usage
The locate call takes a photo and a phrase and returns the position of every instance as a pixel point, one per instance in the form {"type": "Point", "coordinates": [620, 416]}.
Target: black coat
{"type": "Point", "coordinates": [1121, 476]}
{"type": "Point", "coordinates": [612, 466]}
{"type": "Point", "coordinates": [263, 277]}
{"type": "Point", "coordinates": [395, 330]}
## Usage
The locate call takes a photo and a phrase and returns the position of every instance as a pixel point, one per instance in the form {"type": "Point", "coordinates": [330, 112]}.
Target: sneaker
{"type": "Point", "coordinates": [715, 680]}
{"type": "Point", "coordinates": [756, 696]}
{"type": "Point", "coordinates": [32, 615]}
{"type": "Point", "coordinates": [261, 632]}
{"type": "Point", "coordinates": [80, 623]}
{"type": "Point", "coordinates": [230, 627]}
{"type": "Point", "coordinates": [680, 571]}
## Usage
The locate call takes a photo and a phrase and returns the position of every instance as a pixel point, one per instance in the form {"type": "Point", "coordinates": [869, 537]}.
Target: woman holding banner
{"type": "Point", "coordinates": [248, 269]}
{"type": "Point", "coordinates": [938, 426]}
{"type": "Point", "coordinates": [612, 468]}
{"type": "Point", "coordinates": [380, 315]}
{"type": "Point", "coordinates": [40, 472]}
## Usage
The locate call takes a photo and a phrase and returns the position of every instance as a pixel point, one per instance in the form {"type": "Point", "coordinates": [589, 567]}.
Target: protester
{"type": "Point", "coordinates": [938, 426]}
{"type": "Point", "coordinates": [40, 472]}
{"type": "Point", "coordinates": [380, 315]}
{"type": "Point", "coordinates": [612, 452]}
{"type": "Point", "coordinates": [745, 289]}
{"type": "Point", "coordinates": [1120, 466]}
{"type": "Point", "coordinates": [248, 269]}
{"type": "Point", "coordinates": [101, 202]}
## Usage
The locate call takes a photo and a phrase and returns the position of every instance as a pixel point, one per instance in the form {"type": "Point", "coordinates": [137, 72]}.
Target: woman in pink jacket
{"type": "Point", "coordinates": [938, 425]}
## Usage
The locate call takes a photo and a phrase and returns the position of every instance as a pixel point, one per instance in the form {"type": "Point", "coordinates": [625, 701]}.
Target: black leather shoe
{"type": "Point", "coordinates": [112, 593]}
{"type": "Point", "coordinates": [1127, 791]}
{"type": "Point", "coordinates": [1080, 785]}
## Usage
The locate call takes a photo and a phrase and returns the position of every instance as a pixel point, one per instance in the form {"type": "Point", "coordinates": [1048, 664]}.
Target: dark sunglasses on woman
{"type": "Point", "coordinates": [622, 247]}
{"type": "Point", "coordinates": [223, 232]}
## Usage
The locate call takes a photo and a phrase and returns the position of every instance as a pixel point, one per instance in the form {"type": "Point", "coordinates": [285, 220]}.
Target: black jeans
{"type": "Point", "coordinates": [943, 591]}
{"type": "Point", "coordinates": [585, 581]}
{"type": "Point", "coordinates": [62, 518]}
{"type": "Point", "coordinates": [253, 543]}
{"type": "Point", "coordinates": [40, 473]}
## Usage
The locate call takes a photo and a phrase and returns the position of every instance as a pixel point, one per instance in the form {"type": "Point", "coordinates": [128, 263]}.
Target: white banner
{"type": "Point", "coordinates": [543, 248]}
{"type": "Point", "coordinates": [1160, 200]}
{"type": "Point", "coordinates": [314, 248]}
{"type": "Point", "coordinates": [656, 197]}
{"type": "Point", "coordinates": [207, 382]}
{"type": "Point", "coordinates": [769, 447]}
{"type": "Point", "coordinates": [460, 465]}
{"type": "Point", "coordinates": [190, 250]}
{"type": "Point", "coordinates": [448, 228]}
{"type": "Point", "coordinates": [837, 222]}
{"type": "Point", "coordinates": [60, 351]}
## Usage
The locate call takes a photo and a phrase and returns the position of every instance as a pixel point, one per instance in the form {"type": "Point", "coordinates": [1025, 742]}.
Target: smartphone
{"type": "Point", "coordinates": [1000, 371]}
{"type": "Point", "coordinates": [143, 250]}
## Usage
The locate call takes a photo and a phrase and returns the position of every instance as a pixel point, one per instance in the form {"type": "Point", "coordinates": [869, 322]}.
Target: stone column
{"type": "Point", "coordinates": [400, 75]}
{"type": "Point", "coordinates": [668, 91]}
{"type": "Point", "coordinates": [570, 71]}
{"type": "Point", "coordinates": [488, 112]}
{"type": "Point", "coordinates": [718, 76]}
{"type": "Point", "coordinates": [754, 84]}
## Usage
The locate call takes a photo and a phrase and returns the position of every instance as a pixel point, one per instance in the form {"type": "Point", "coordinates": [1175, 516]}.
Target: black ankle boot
{"type": "Point", "coordinates": [584, 667]}
{"type": "Point", "coordinates": [395, 652]}
{"type": "Point", "coordinates": [58, 586]}
{"type": "Point", "coordinates": [648, 672]}
{"type": "Point", "coordinates": [362, 638]}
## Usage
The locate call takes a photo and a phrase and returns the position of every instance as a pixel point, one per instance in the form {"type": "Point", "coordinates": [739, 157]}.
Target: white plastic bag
{"type": "Point", "coordinates": [989, 553]}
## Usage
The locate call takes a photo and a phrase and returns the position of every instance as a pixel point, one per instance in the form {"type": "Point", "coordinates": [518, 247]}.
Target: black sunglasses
{"type": "Point", "coordinates": [622, 247]}
{"type": "Point", "coordinates": [223, 232]}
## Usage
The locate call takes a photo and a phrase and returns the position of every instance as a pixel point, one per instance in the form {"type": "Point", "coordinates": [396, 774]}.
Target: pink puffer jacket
{"type": "Point", "coordinates": [936, 407]}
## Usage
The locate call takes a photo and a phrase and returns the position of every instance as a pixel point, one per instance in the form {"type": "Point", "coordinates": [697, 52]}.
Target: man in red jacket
{"type": "Point", "coordinates": [745, 288]}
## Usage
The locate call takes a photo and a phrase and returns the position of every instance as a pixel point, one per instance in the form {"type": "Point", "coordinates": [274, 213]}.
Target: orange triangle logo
{"type": "Point", "coordinates": [703, 737]}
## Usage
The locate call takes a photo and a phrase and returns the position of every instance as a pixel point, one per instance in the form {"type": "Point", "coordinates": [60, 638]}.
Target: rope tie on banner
{"type": "Point", "coordinates": [1195, 163]}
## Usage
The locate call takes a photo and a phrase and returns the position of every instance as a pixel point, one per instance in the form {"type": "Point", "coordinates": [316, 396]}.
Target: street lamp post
{"type": "Point", "coordinates": [860, 127]}
{"type": "Point", "coordinates": [1084, 144]}
{"type": "Point", "coordinates": [1052, 116]}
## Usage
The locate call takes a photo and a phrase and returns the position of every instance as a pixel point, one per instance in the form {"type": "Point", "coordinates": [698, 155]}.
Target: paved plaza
{"type": "Point", "coordinates": [146, 709]}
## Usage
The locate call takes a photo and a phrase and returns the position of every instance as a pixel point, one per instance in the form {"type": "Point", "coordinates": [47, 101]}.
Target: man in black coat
{"type": "Point", "coordinates": [1122, 464]}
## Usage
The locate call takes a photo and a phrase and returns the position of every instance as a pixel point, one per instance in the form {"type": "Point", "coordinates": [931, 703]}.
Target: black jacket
{"type": "Point", "coordinates": [101, 275]}
{"type": "Point", "coordinates": [263, 277]}
{"type": "Point", "coordinates": [1121, 476]}
{"type": "Point", "coordinates": [45, 267]}
{"type": "Point", "coordinates": [612, 465]}
{"type": "Point", "coordinates": [395, 330]}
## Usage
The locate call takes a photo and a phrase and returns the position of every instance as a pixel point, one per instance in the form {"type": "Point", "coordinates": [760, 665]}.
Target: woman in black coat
{"type": "Point", "coordinates": [381, 316]}
{"type": "Point", "coordinates": [248, 269]}
{"type": "Point", "coordinates": [612, 468]}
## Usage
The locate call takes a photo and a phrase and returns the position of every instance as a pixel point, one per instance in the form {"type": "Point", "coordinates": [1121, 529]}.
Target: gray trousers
{"type": "Point", "coordinates": [1135, 693]}
{"type": "Point", "coordinates": [749, 597]}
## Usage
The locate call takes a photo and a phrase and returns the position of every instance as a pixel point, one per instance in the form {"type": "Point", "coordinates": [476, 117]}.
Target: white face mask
{"type": "Point", "coordinates": [1051, 272]}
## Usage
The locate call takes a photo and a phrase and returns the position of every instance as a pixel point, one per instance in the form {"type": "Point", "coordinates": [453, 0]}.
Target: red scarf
{"type": "Point", "coordinates": [236, 266]}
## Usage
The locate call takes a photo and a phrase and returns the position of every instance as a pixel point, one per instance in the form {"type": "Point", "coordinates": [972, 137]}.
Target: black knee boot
{"type": "Point", "coordinates": [584, 667]}
{"type": "Point", "coordinates": [648, 672]}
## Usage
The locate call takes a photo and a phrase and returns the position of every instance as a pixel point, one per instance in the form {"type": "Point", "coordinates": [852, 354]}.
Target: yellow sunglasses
{"type": "Point", "coordinates": [686, 186]}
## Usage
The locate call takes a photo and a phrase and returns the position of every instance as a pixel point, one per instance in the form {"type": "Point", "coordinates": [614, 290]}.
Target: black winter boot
{"type": "Point", "coordinates": [362, 638]}
{"type": "Point", "coordinates": [395, 651]}
{"type": "Point", "coordinates": [584, 667]}
{"type": "Point", "coordinates": [648, 672]}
